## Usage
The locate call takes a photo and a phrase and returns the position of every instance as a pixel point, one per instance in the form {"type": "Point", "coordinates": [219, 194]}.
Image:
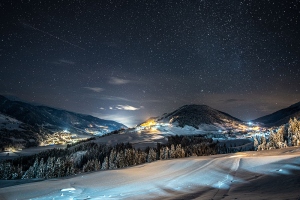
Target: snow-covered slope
{"type": "Point", "coordinates": [9, 123]}
{"type": "Point", "coordinates": [194, 119]}
{"type": "Point", "coordinates": [53, 120]}
{"type": "Point", "coordinates": [281, 116]}
{"type": "Point", "coordinates": [248, 175]}
{"type": "Point", "coordinates": [195, 115]}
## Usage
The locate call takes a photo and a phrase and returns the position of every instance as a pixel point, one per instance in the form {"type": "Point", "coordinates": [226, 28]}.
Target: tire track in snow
{"type": "Point", "coordinates": [229, 177]}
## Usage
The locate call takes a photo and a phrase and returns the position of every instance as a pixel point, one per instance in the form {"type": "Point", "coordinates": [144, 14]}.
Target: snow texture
{"type": "Point", "coordinates": [249, 175]}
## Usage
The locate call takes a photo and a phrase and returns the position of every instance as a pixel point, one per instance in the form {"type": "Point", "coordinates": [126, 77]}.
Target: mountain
{"type": "Point", "coordinates": [281, 116]}
{"type": "Point", "coordinates": [52, 120]}
{"type": "Point", "coordinates": [194, 115]}
{"type": "Point", "coordinates": [200, 117]}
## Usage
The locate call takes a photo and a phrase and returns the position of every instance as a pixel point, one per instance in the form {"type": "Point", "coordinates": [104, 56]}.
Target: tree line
{"type": "Point", "coordinates": [90, 156]}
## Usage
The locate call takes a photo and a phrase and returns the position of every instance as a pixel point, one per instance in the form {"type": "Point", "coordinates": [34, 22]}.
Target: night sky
{"type": "Point", "coordinates": [132, 59]}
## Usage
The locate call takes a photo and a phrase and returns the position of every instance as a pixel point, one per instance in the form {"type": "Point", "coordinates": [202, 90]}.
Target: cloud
{"type": "Point", "coordinates": [125, 119]}
{"type": "Point", "coordinates": [63, 61]}
{"type": "Point", "coordinates": [67, 62]}
{"type": "Point", "coordinates": [118, 81]}
{"type": "Point", "coordinates": [95, 89]}
{"type": "Point", "coordinates": [114, 98]}
{"type": "Point", "coordinates": [127, 107]}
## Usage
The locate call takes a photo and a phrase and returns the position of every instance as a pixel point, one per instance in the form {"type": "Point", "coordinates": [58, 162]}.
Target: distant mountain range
{"type": "Point", "coordinates": [281, 116]}
{"type": "Point", "coordinates": [24, 121]}
{"type": "Point", "coordinates": [52, 120]}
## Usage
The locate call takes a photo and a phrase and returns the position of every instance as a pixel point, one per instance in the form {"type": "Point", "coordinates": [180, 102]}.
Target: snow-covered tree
{"type": "Point", "coordinates": [172, 151]}
{"type": "Point", "coordinates": [57, 168]}
{"type": "Point", "coordinates": [294, 132]}
{"type": "Point", "coordinates": [105, 164]}
{"type": "Point", "coordinates": [262, 145]}
{"type": "Point", "coordinates": [49, 168]}
{"type": "Point", "coordinates": [151, 155]}
{"type": "Point", "coordinates": [6, 170]}
{"type": "Point", "coordinates": [41, 169]}
{"type": "Point", "coordinates": [120, 159]}
{"type": "Point", "coordinates": [29, 173]}
{"type": "Point", "coordinates": [91, 165]}
{"type": "Point", "coordinates": [112, 159]}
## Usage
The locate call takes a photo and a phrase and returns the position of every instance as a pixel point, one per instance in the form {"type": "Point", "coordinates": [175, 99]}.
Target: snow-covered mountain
{"type": "Point", "coordinates": [52, 120]}
{"type": "Point", "coordinates": [195, 118]}
{"type": "Point", "coordinates": [281, 116]}
{"type": "Point", "coordinates": [195, 115]}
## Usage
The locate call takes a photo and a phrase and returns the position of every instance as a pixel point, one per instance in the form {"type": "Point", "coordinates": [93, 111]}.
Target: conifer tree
{"type": "Point", "coordinates": [41, 169]}
{"type": "Point", "coordinates": [105, 164]}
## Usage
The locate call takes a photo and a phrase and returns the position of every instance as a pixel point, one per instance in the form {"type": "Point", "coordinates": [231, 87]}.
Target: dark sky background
{"type": "Point", "coordinates": [132, 59]}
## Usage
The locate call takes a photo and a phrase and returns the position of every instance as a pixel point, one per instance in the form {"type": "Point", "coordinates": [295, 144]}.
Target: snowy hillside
{"type": "Point", "coordinates": [281, 116]}
{"type": "Point", "coordinates": [53, 120]}
{"type": "Point", "coordinates": [248, 175]}
{"type": "Point", "coordinates": [194, 119]}
{"type": "Point", "coordinates": [9, 123]}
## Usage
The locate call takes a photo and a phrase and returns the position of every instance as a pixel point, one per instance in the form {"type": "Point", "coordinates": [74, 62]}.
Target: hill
{"type": "Point", "coordinates": [281, 116]}
{"type": "Point", "coordinates": [192, 119]}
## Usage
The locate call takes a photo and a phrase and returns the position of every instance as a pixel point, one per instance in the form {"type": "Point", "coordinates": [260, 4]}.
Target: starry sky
{"type": "Point", "coordinates": [132, 59]}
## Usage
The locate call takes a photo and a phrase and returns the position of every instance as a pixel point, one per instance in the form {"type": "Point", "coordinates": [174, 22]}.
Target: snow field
{"type": "Point", "coordinates": [204, 177]}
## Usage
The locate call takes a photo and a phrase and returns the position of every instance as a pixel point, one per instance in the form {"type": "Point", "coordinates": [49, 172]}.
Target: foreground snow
{"type": "Point", "coordinates": [247, 175]}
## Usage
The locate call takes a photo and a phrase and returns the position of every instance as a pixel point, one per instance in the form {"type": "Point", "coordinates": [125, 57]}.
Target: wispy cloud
{"type": "Point", "coordinates": [95, 89]}
{"type": "Point", "coordinates": [118, 81]}
{"type": "Point", "coordinates": [63, 61]}
{"type": "Point", "coordinates": [114, 98]}
{"type": "Point", "coordinates": [126, 119]}
{"type": "Point", "coordinates": [127, 107]}
{"type": "Point", "coordinates": [70, 62]}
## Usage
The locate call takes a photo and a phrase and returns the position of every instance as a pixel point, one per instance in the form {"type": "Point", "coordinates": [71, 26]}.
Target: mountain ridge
{"type": "Point", "coordinates": [281, 116]}
{"type": "Point", "coordinates": [54, 118]}
{"type": "Point", "coordinates": [199, 114]}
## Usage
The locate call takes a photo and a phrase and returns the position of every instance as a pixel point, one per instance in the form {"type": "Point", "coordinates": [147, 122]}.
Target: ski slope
{"type": "Point", "coordinates": [248, 175]}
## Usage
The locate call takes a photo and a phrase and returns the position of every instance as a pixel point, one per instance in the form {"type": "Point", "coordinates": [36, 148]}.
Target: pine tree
{"type": "Point", "coordinates": [97, 165]}
{"type": "Point", "coordinates": [35, 167]}
{"type": "Point", "coordinates": [120, 159]}
{"type": "Point", "coordinates": [29, 173]}
{"type": "Point", "coordinates": [105, 164]}
{"type": "Point", "coordinates": [112, 159]}
{"type": "Point", "coordinates": [151, 155]}
{"type": "Point", "coordinates": [294, 132]}
{"type": "Point", "coordinates": [58, 168]}
{"type": "Point", "coordinates": [41, 169]}
{"type": "Point", "coordinates": [255, 143]}
{"type": "Point", "coordinates": [172, 151]}
{"type": "Point", "coordinates": [49, 168]}
{"type": "Point", "coordinates": [7, 171]}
